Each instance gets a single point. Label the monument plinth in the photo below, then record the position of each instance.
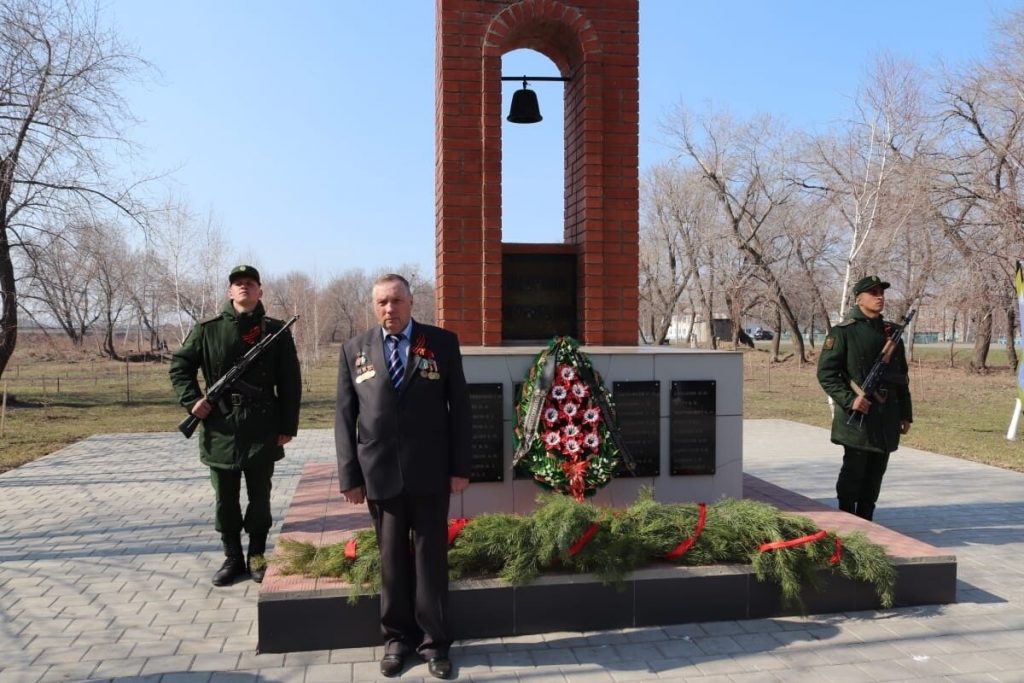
(684, 433)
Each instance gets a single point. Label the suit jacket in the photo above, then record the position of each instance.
(408, 441)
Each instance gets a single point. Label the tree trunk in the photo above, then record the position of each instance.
(982, 341)
(109, 350)
(8, 302)
(778, 335)
(8, 293)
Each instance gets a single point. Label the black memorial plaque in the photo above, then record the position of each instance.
(638, 415)
(692, 427)
(538, 296)
(486, 408)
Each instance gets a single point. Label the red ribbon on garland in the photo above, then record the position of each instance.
(681, 549)
(836, 556)
(350, 549)
(584, 539)
(455, 528)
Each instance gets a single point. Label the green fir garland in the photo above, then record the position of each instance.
(518, 548)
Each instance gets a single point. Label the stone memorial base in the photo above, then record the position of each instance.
(680, 410)
(298, 613)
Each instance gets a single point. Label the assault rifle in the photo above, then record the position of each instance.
(873, 382)
(234, 375)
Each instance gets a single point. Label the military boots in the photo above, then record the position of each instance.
(234, 566)
(257, 562)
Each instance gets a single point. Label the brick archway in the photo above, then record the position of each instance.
(594, 43)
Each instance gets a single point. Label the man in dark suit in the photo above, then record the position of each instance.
(402, 435)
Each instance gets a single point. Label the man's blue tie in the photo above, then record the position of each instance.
(395, 368)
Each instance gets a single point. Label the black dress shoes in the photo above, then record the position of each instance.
(391, 665)
(439, 667)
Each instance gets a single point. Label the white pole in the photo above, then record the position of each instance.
(1011, 433)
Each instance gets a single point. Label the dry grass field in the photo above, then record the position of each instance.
(955, 413)
(57, 398)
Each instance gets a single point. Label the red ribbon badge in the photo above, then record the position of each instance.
(419, 347)
(252, 336)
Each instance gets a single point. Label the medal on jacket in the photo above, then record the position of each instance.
(364, 369)
(428, 369)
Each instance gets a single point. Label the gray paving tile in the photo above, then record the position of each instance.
(186, 677)
(329, 673)
(166, 664)
(118, 667)
(18, 674)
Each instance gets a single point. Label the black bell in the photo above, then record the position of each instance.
(524, 107)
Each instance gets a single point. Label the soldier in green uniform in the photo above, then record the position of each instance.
(849, 351)
(245, 434)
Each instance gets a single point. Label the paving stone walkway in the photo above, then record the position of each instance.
(107, 549)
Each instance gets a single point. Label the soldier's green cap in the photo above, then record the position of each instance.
(869, 282)
(244, 271)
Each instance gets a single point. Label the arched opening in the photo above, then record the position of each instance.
(533, 155)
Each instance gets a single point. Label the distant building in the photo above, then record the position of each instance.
(687, 330)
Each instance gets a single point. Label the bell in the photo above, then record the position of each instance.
(524, 107)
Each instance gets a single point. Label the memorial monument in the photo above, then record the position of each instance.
(681, 410)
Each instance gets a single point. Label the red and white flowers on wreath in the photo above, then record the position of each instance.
(572, 452)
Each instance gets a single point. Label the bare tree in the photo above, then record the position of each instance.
(147, 296)
(60, 111)
(668, 247)
(980, 199)
(111, 263)
(746, 166)
(193, 261)
(857, 170)
(347, 305)
(62, 280)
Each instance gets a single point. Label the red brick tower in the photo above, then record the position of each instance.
(595, 45)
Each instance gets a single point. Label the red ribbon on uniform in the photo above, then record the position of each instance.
(584, 539)
(681, 549)
(350, 549)
(455, 528)
(836, 556)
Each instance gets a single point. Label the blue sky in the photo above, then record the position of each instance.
(307, 127)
